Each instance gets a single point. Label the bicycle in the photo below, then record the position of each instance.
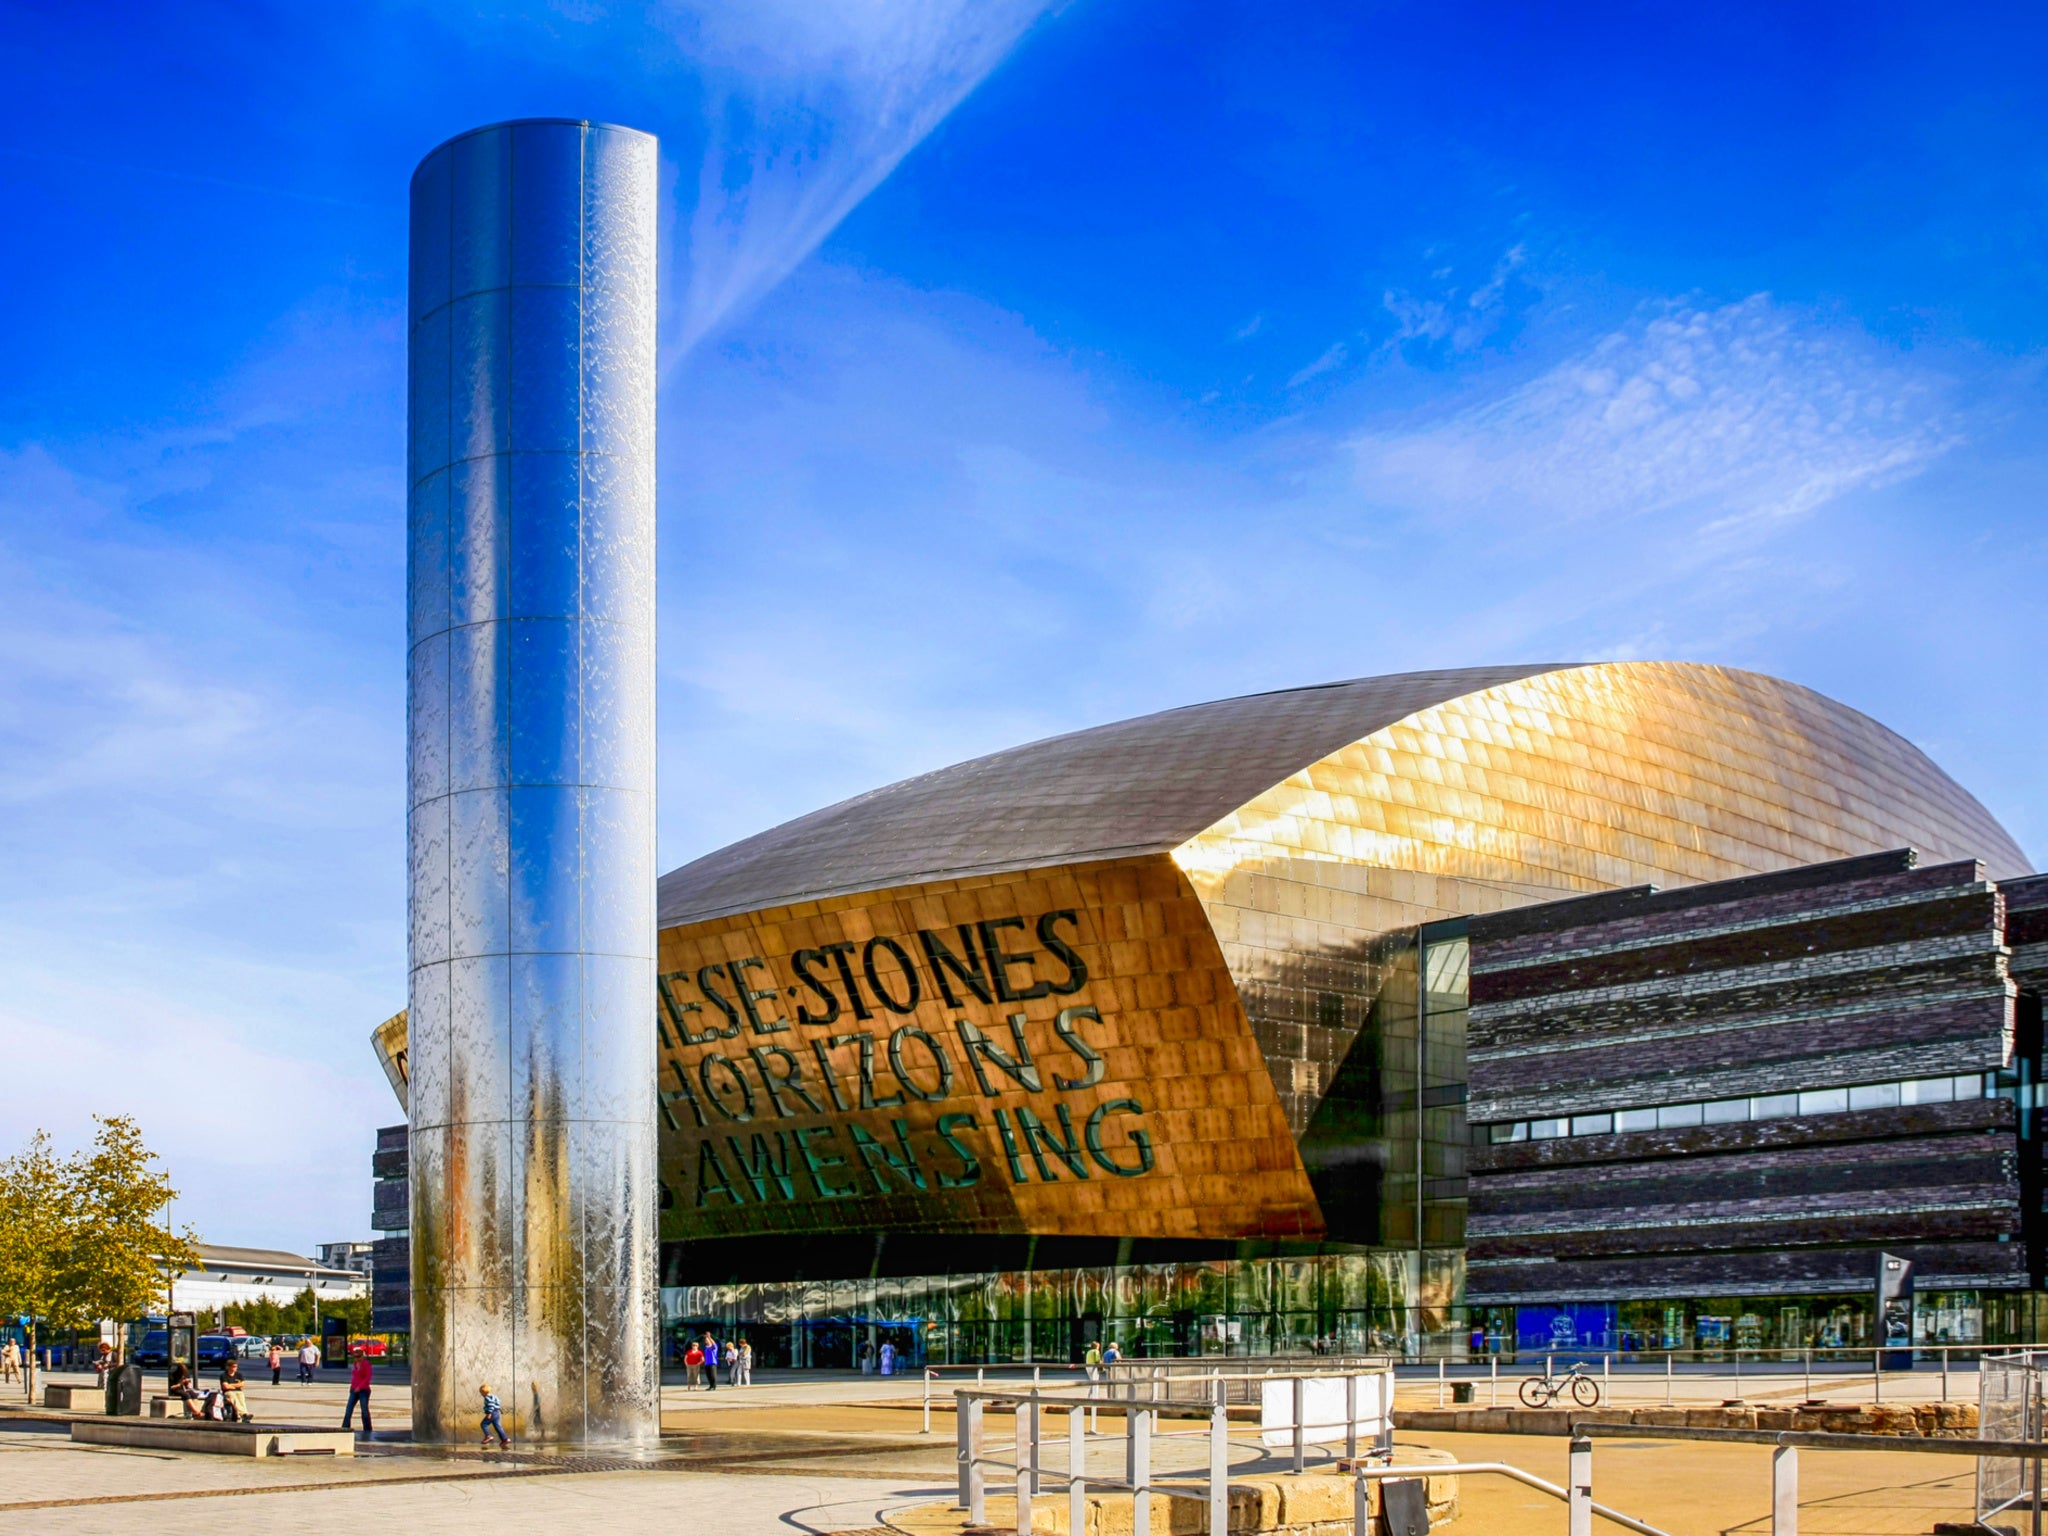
(1542, 1391)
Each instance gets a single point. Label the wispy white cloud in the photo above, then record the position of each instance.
(1742, 413)
(811, 104)
(1333, 357)
(1452, 317)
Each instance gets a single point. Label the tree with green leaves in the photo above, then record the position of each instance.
(122, 1253)
(83, 1237)
(35, 1239)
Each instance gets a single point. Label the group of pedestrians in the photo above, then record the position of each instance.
(873, 1360)
(705, 1356)
(1098, 1355)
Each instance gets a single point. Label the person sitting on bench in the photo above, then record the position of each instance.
(181, 1388)
(233, 1387)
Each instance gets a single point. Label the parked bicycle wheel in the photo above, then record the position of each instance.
(1585, 1391)
(1535, 1391)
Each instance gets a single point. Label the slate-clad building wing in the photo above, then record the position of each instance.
(1747, 1087)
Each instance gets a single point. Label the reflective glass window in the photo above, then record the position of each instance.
(1823, 1101)
(1874, 1096)
(1970, 1085)
(1592, 1125)
(1771, 1105)
(1516, 1131)
(1679, 1115)
(1544, 1130)
(1724, 1111)
(1929, 1090)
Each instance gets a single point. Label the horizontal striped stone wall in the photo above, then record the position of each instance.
(1863, 971)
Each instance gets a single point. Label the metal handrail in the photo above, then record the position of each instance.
(1475, 1468)
(1030, 1473)
(931, 1375)
(1139, 1416)
(1820, 1439)
(1789, 1442)
(1642, 1363)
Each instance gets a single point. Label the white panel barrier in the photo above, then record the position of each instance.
(1322, 1409)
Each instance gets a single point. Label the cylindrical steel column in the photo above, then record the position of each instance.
(531, 757)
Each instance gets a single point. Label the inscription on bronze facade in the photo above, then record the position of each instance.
(1059, 1051)
(720, 1079)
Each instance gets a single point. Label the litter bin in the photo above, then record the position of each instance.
(124, 1391)
(1461, 1391)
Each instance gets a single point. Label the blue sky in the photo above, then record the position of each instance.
(1023, 368)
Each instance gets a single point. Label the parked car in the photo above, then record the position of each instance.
(375, 1349)
(216, 1348)
(252, 1346)
(155, 1348)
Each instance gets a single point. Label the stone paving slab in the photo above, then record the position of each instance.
(729, 1506)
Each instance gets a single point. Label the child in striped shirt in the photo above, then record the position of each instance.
(492, 1408)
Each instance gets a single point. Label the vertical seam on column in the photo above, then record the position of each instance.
(583, 148)
(517, 1193)
(440, 1408)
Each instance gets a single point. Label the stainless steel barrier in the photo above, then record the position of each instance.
(1785, 1463)
(1031, 1473)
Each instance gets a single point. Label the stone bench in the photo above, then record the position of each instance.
(211, 1437)
(73, 1398)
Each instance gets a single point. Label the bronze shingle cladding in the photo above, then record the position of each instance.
(1137, 786)
(1154, 783)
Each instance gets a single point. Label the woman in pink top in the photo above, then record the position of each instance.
(358, 1392)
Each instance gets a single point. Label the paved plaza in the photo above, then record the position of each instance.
(846, 1453)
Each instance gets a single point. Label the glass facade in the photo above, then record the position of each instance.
(1324, 1304)
(1752, 1328)
(1773, 1106)
(1381, 1302)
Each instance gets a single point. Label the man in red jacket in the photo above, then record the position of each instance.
(358, 1391)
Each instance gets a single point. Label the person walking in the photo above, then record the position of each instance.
(358, 1392)
(10, 1361)
(309, 1356)
(276, 1359)
(888, 1359)
(693, 1362)
(1092, 1361)
(710, 1363)
(492, 1422)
